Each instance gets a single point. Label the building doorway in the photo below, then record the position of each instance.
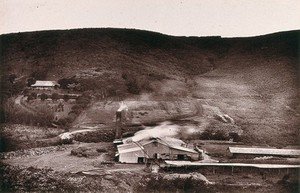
(140, 160)
(180, 157)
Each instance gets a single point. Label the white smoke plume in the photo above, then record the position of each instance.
(165, 129)
(122, 107)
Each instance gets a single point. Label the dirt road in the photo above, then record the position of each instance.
(18, 101)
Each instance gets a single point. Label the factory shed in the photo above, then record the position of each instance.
(155, 148)
(130, 153)
(257, 151)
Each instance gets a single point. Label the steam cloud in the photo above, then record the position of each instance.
(122, 107)
(166, 129)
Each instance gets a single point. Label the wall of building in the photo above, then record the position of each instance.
(164, 152)
(157, 149)
(193, 156)
(131, 157)
(43, 88)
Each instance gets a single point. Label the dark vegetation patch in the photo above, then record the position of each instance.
(41, 116)
(87, 152)
(101, 135)
(180, 185)
(188, 185)
(81, 103)
(15, 137)
(15, 179)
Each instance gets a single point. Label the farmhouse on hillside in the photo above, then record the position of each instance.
(44, 85)
(155, 148)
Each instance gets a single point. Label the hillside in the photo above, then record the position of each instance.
(254, 80)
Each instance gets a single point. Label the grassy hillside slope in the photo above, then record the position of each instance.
(253, 80)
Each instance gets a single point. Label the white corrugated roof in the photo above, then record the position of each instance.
(43, 83)
(189, 163)
(183, 149)
(264, 151)
(125, 148)
(170, 142)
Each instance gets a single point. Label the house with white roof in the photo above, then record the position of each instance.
(155, 148)
(44, 85)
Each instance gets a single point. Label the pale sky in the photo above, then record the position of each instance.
(228, 18)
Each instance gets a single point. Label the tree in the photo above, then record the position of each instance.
(66, 82)
(30, 81)
(17, 87)
(220, 135)
(29, 98)
(26, 92)
(33, 95)
(54, 96)
(44, 96)
(66, 97)
(132, 86)
(12, 78)
(206, 135)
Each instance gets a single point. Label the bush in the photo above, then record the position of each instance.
(132, 86)
(220, 135)
(33, 95)
(66, 82)
(206, 135)
(44, 96)
(210, 135)
(66, 97)
(180, 185)
(16, 179)
(29, 98)
(30, 81)
(55, 96)
(13, 114)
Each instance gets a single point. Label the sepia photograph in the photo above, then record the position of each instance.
(150, 96)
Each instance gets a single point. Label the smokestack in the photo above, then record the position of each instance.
(119, 116)
(121, 113)
(118, 131)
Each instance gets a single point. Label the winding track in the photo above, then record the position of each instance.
(18, 101)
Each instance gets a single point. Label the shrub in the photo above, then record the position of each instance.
(132, 86)
(30, 81)
(180, 185)
(206, 135)
(44, 96)
(29, 98)
(66, 82)
(66, 97)
(220, 135)
(33, 95)
(55, 96)
(210, 135)
(13, 114)
(26, 92)
(12, 78)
